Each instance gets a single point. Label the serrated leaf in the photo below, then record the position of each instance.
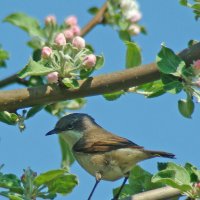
(35, 69)
(25, 22)
(67, 156)
(113, 96)
(8, 118)
(193, 171)
(196, 6)
(133, 55)
(167, 61)
(175, 176)
(57, 181)
(186, 107)
(70, 83)
(34, 110)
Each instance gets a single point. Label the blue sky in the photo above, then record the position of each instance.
(153, 123)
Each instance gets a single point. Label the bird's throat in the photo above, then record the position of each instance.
(71, 137)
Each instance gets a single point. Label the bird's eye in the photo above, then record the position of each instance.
(70, 126)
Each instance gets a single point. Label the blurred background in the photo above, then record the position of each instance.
(153, 123)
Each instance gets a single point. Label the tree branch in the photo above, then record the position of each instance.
(122, 80)
(97, 19)
(164, 193)
(91, 24)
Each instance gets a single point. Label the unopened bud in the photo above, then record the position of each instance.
(52, 77)
(136, 16)
(89, 61)
(50, 20)
(78, 42)
(134, 29)
(76, 30)
(68, 34)
(71, 20)
(46, 52)
(60, 39)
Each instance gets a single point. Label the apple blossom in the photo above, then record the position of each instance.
(78, 42)
(52, 77)
(68, 33)
(71, 20)
(46, 52)
(89, 61)
(50, 20)
(60, 39)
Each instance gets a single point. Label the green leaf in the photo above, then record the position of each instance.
(171, 83)
(34, 110)
(67, 156)
(57, 181)
(113, 96)
(25, 22)
(133, 55)
(167, 61)
(3, 56)
(8, 118)
(186, 107)
(183, 2)
(124, 35)
(47, 196)
(196, 6)
(11, 195)
(175, 176)
(10, 181)
(70, 83)
(139, 181)
(35, 69)
(99, 62)
(193, 171)
(93, 10)
(49, 176)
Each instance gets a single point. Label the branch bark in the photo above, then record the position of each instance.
(12, 100)
(97, 19)
(164, 193)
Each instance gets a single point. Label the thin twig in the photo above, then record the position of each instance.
(88, 27)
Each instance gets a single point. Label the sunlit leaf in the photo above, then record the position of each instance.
(8, 118)
(186, 107)
(113, 96)
(25, 22)
(35, 69)
(133, 55)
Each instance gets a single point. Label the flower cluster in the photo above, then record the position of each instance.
(131, 12)
(67, 55)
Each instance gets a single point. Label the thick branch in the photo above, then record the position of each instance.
(91, 24)
(15, 99)
(165, 193)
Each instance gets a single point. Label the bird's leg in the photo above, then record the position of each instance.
(120, 189)
(98, 178)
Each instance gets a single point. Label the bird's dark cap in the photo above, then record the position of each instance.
(54, 131)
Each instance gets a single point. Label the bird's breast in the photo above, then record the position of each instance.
(111, 165)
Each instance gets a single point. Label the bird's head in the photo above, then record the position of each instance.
(73, 126)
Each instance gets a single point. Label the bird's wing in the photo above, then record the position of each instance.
(102, 142)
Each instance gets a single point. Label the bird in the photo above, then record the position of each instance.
(102, 154)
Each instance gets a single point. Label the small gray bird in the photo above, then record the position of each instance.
(102, 154)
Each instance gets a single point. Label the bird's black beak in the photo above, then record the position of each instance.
(54, 131)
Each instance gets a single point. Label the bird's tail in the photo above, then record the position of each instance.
(160, 154)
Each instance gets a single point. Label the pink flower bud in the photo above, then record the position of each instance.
(68, 34)
(196, 64)
(60, 39)
(78, 42)
(76, 30)
(50, 20)
(89, 61)
(136, 16)
(71, 20)
(46, 52)
(197, 185)
(52, 77)
(134, 29)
